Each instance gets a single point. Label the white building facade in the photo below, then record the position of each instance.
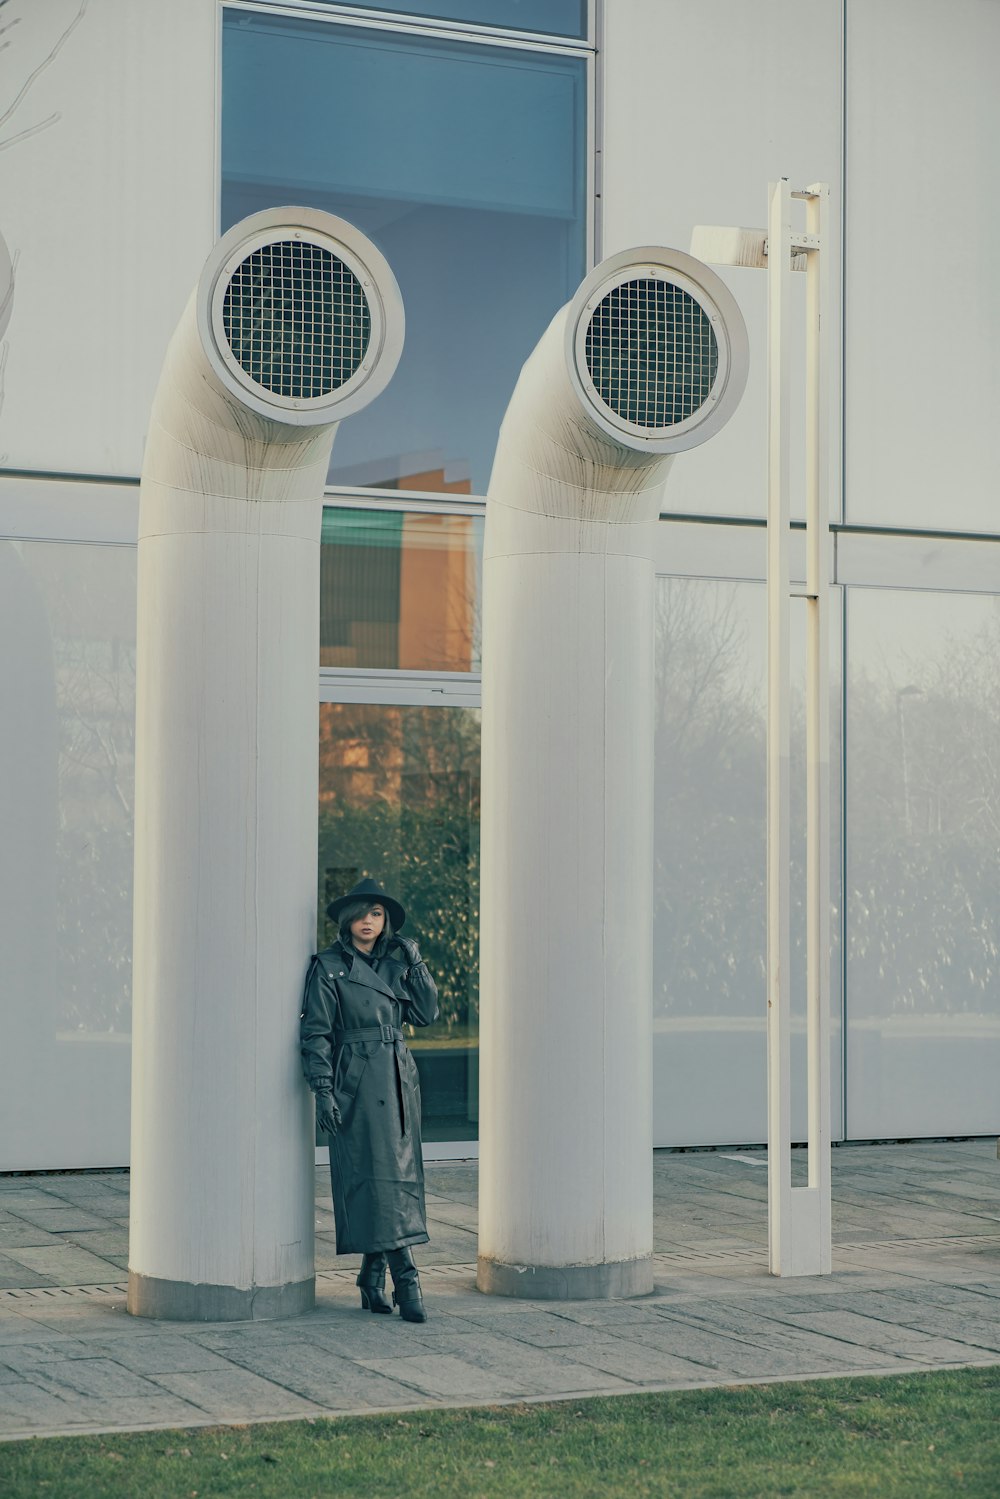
(494, 150)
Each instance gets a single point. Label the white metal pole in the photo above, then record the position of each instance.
(779, 1132)
(799, 1217)
(799, 1226)
(818, 717)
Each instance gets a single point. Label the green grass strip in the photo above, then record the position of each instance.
(912, 1436)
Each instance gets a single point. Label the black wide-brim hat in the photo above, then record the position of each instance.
(371, 891)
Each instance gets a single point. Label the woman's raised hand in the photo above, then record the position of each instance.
(411, 950)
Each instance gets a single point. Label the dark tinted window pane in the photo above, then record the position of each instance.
(466, 165)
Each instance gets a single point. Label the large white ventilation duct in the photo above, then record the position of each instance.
(295, 323)
(650, 358)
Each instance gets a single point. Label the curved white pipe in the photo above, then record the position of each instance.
(567, 860)
(226, 796)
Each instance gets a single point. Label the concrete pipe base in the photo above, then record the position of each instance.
(181, 1301)
(609, 1281)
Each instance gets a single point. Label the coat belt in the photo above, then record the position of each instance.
(386, 1033)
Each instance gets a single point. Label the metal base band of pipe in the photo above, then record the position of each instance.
(612, 1280)
(182, 1301)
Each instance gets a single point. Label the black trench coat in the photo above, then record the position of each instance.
(376, 1163)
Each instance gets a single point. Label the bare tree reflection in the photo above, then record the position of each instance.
(93, 644)
(925, 818)
(709, 806)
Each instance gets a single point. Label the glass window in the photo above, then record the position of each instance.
(709, 924)
(553, 17)
(466, 165)
(66, 811)
(400, 591)
(923, 819)
(399, 799)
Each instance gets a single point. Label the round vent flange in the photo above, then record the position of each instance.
(657, 349)
(300, 315)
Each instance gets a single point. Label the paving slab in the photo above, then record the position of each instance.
(442, 1375)
(15, 1232)
(14, 1274)
(539, 1329)
(154, 1354)
(17, 1331)
(65, 1264)
(18, 1194)
(327, 1376)
(24, 1357)
(61, 1218)
(724, 1353)
(809, 1343)
(857, 1330)
(236, 1394)
(640, 1366)
(27, 1410)
(97, 1378)
(916, 1285)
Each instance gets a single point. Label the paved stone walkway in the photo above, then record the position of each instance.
(916, 1286)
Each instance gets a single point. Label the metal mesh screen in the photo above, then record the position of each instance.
(296, 319)
(652, 353)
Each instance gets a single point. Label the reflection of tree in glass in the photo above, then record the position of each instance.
(399, 799)
(709, 807)
(34, 49)
(95, 685)
(924, 867)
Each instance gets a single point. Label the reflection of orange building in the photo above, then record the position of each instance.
(437, 594)
(430, 481)
(399, 591)
(360, 754)
(413, 756)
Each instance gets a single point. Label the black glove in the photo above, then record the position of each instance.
(327, 1114)
(410, 950)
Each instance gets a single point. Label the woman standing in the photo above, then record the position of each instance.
(358, 993)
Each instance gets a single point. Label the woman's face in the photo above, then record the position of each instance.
(366, 931)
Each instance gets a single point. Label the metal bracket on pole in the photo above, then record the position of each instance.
(799, 1218)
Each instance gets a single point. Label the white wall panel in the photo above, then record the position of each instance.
(923, 295)
(704, 104)
(68, 510)
(67, 680)
(107, 199)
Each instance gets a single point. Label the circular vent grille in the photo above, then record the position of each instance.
(296, 319)
(652, 353)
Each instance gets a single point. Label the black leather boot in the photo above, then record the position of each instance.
(371, 1280)
(406, 1286)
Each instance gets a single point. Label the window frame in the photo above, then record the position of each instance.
(402, 20)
